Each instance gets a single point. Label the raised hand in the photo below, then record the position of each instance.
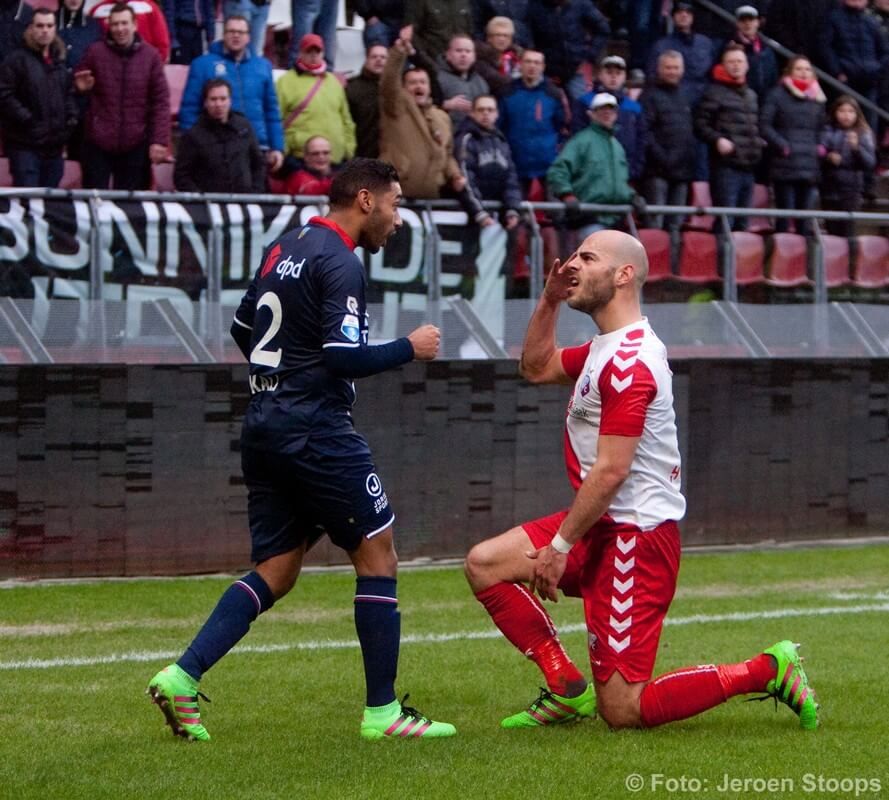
(425, 340)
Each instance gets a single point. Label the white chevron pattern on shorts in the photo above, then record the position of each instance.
(620, 606)
(624, 566)
(626, 546)
(621, 626)
(618, 646)
(623, 586)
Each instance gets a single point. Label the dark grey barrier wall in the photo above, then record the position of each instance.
(134, 470)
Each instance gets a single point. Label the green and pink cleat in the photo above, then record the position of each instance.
(791, 685)
(553, 709)
(398, 721)
(176, 694)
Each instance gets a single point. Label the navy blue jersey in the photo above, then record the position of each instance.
(308, 296)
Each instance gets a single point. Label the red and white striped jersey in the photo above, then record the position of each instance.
(624, 387)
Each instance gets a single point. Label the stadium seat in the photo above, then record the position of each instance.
(162, 177)
(72, 177)
(788, 265)
(750, 252)
(657, 245)
(871, 262)
(5, 174)
(176, 75)
(761, 200)
(700, 196)
(697, 260)
(836, 261)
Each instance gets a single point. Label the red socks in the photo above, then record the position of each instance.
(691, 690)
(524, 621)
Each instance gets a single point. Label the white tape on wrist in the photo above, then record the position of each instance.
(560, 545)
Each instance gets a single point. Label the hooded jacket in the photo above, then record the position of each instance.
(37, 105)
(78, 31)
(130, 102)
(486, 161)
(253, 92)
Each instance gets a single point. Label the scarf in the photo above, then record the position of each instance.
(805, 90)
(316, 70)
(719, 74)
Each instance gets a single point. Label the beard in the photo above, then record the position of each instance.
(594, 300)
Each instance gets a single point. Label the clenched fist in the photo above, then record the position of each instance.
(425, 341)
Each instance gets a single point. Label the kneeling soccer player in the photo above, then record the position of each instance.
(303, 327)
(618, 546)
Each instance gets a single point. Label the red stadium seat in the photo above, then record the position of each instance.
(162, 177)
(871, 262)
(700, 196)
(697, 261)
(836, 260)
(72, 178)
(750, 253)
(657, 245)
(5, 174)
(761, 200)
(176, 75)
(788, 265)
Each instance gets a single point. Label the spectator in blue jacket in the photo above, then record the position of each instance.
(77, 29)
(189, 22)
(486, 160)
(696, 49)
(763, 74)
(571, 34)
(630, 129)
(855, 50)
(253, 87)
(533, 116)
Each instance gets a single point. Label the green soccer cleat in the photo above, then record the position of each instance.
(176, 694)
(398, 721)
(553, 709)
(791, 686)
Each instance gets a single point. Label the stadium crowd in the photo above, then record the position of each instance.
(608, 102)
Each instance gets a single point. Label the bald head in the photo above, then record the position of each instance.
(621, 249)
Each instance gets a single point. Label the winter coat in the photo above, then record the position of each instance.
(516, 10)
(452, 83)
(418, 142)
(854, 46)
(847, 179)
(220, 157)
(532, 120)
(698, 54)
(78, 31)
(15, 16)
(731, 112)
(37, 106)
(630, 130)
(200, 13)
(593, 167)
(308, 182)
(389, 12)
(253, 92)
(763, 73)
(436, 21)
(488, 65)
(791, 123)
(327, 114)
(150, 23)
(486, 161)
(130, 101)
(569, 33)
(363, 95)
(670, 142)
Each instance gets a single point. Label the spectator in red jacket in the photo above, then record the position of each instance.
(150, 22)
(317, 171)
(128, 118)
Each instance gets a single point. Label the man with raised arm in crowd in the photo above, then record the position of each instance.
(37, 107)
(123, 139)
(253, 87)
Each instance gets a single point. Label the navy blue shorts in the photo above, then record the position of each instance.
(330, 487)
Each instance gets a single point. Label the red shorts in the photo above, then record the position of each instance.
(626, 579)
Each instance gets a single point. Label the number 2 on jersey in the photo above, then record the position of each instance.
(268, 358)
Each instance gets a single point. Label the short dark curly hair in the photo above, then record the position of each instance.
(361, 173)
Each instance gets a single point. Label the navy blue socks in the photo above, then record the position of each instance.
(241, 603)
(379, 631)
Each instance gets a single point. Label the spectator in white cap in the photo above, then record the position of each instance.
(592, 168)
(763, 72)
(630, 130)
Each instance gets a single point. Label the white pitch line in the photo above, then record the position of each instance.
(430, 638)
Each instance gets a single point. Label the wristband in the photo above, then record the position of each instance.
(560, 545)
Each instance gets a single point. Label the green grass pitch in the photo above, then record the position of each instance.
(75, 659)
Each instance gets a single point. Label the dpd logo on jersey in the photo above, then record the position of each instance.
(289, 267)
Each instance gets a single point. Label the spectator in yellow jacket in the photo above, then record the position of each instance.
(313, 103)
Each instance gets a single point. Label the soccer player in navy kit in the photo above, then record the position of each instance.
(302, 325)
